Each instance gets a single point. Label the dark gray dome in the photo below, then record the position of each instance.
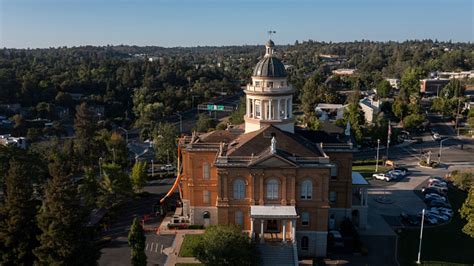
(270, 66)
(270, 43)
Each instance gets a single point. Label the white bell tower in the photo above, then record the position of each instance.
(269, 97)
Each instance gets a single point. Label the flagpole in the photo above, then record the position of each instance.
(389, 134)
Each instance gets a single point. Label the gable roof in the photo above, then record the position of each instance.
(273, 160)
(256, 142)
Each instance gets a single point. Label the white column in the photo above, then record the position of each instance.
(270, 110)
(252, 234)
(290, 112)
(278, 109)
(261, 231)
(284, 230)
(253, 109)
(293, 230)
(286, 107)
(248, 107)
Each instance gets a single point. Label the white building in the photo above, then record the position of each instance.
(328, 111)
(370, 107)
(457, 75)
(395, 83)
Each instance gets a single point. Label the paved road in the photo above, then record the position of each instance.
(118, 252)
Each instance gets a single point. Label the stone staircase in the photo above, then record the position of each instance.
(275, 254)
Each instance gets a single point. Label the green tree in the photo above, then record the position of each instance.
(136, 241)
(413, 121)
(399, 108)
(138, 175)
(237, 117)
(467, 212)
(204, 123)
(85, 126)
(383, 88)
(165, 142)
(65, 238)
(18, 228)
(115, 184)
(225, 245)
(90, 188)
(411, 80)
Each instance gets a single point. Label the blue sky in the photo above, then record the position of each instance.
(46, 23)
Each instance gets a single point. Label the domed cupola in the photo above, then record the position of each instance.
(269, 95)
(269, 66)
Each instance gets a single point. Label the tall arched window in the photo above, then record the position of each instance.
(304, 243)
(272, 189)
(239, 189)
(307, 189)
(205, 171)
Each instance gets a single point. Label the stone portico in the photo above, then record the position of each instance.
(273, 214)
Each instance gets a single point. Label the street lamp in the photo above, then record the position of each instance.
(441, 147)
(421, 235)
(377, 161)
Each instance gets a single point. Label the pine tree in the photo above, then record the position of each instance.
(18, 226)
(138, 175)
(136, 241)
(65, 238)
(467, 212)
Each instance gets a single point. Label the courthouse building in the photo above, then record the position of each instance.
(278, 182)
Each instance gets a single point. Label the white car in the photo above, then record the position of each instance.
(437, 182)
(384, 177)
(167, 167)
(437, 186)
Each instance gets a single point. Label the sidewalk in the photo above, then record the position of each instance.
(173, 251)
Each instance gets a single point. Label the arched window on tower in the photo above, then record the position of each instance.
(307, 189)
(239, 189)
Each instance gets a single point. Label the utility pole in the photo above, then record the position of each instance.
(100, 168)
(377, 161)
(421, 236)
(152, 169)
(113, 153)
(180, 122)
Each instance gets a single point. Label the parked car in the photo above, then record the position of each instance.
(168, 167)
(432, 196)
(385, 177)
(428, 190)
(438, 203)
(437, 182)
(396, 173)
(438, 186)
(439, 216)
(402, 169)
(443, 210)
(335, 239)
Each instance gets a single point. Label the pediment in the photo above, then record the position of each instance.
(274, 161)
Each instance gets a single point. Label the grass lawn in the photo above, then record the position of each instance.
(189, 242)
(442, 245)
(367, 170)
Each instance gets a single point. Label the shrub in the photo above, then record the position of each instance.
(462, 179)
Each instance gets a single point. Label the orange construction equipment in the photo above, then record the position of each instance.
(178, 177)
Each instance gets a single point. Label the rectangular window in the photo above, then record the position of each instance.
(270, 84)
(257, 83)
(305, 219)
(333, 196)
(282, 84)
(205, 171)
(206, 196)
